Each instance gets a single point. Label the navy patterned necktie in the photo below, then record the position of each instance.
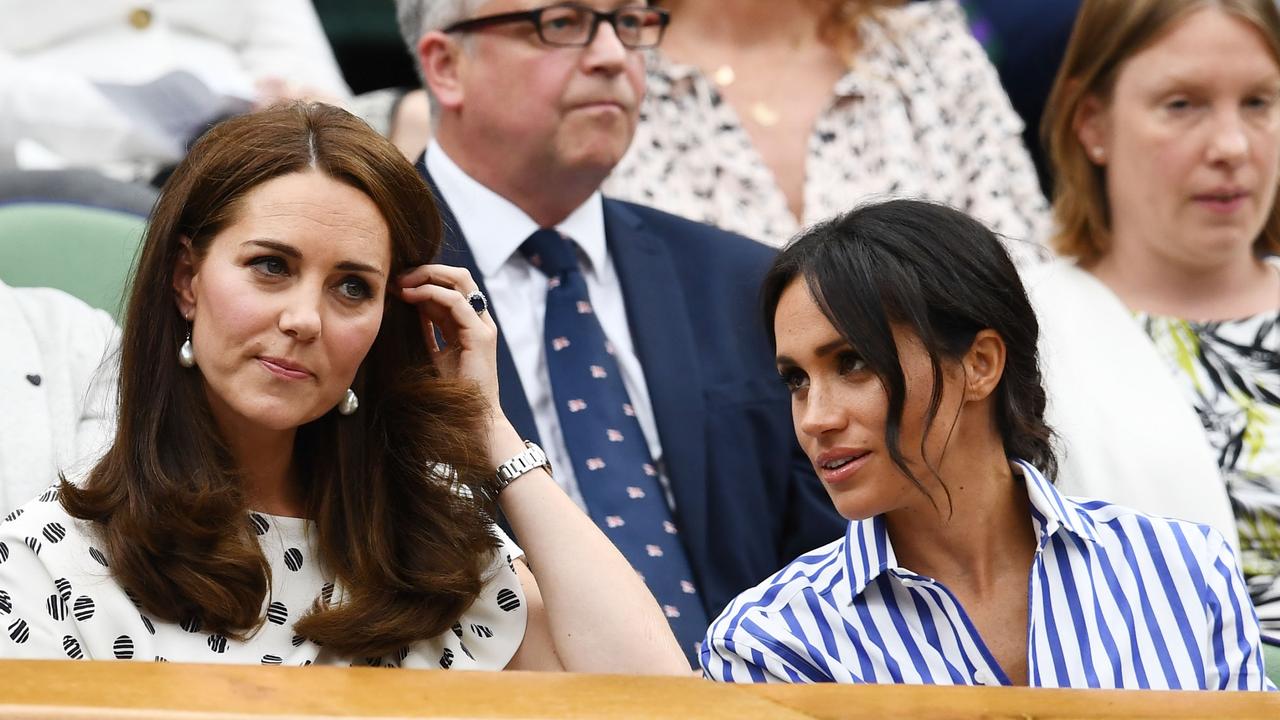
(610, 456)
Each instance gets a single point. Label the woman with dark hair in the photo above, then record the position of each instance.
(302, 471)
(909, 347)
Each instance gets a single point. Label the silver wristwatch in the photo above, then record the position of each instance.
(532, 457)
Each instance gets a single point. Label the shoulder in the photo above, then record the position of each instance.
(688, 238)
(919, 31)
(1149, 539)
(40, 541)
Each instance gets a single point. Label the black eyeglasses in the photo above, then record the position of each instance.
(573, 25)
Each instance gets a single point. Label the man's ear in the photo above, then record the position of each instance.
(184, 278)
(1092, 124)
(443, 64)
(983, 365)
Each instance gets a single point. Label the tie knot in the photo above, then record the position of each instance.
(550, 252)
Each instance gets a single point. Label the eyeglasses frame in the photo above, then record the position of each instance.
(535, 16)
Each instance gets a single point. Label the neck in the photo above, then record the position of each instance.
(743, 23)
(972, 542)
(265, 459)
(1236, 286)
(547, 197)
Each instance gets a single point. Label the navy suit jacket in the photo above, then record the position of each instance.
(747, 500)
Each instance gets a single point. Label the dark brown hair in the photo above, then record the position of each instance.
(1107, 33)
(399, 491)
(945, 277)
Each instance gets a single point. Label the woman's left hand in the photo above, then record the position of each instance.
(470, 338)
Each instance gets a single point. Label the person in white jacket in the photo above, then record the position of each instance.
(56, 383)
(1162, 329)
(58, 57)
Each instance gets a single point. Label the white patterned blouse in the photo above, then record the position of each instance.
(58, 600)
(920, 113)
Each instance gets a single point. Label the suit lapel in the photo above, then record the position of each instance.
(657, 313)
(455, 251)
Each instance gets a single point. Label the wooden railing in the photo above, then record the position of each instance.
(118, 690)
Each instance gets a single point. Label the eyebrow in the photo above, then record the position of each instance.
(292, 252)
(822, 351)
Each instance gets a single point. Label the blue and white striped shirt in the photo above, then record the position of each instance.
(1118, 599)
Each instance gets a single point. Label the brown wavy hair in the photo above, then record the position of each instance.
(1106, 34)
(399, 491)
(839, 21)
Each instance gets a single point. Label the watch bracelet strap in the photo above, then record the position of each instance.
(532, 458)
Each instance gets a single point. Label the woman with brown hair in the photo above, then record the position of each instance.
(310, 451)
(1162, 345)
(765, 117)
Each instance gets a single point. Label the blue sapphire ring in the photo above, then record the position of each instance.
(478, 302)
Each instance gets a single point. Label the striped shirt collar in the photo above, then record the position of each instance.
(868, 552)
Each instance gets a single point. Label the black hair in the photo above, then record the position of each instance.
(942, 275)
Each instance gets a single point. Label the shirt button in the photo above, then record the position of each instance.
(140, 18)
(982, 677)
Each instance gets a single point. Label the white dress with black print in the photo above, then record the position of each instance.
(59, 600)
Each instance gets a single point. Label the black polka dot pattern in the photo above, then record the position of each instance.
(277, 613)
(71, 647)
(13, 515)
(56, 606)
(19, 632)
(84, 608)
(508, 600)
(54, 532)
(49, 495)
(259, 524)
(61, 603)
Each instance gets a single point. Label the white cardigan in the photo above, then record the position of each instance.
(1126, 431)
(56, 405)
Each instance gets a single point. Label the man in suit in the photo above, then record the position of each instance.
(533, 106)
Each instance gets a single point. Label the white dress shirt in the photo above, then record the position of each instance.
(517, 291)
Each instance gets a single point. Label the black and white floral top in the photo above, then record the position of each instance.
(1230, 373)
(58, 600)
(920, 113)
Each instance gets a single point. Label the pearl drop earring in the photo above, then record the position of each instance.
(186, 353)
(1098, 152)
(350, 403)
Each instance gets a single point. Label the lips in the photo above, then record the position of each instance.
(1222, 199)
(840, 464)
(285, 368)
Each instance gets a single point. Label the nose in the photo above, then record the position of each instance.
(1230, 142)
(300, 317)
(817, 413)
(606, 51)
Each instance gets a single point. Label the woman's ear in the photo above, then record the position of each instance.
(184, 280)
(983, 365)
(1092, 124)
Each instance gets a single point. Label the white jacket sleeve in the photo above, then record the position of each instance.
(287, 41)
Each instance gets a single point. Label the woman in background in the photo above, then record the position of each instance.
(762, 118)
(301, 474)
(909, 347)
(1160, 334)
